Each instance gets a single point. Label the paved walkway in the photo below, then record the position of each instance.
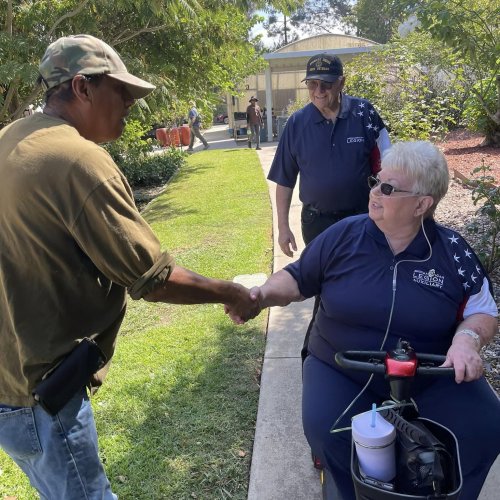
(281, 462)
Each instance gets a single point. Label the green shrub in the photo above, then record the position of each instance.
(153, 169)
(475, 115)
(296, 105)
(134, 158)
(129, 147)
(486, 227)
(413, 82)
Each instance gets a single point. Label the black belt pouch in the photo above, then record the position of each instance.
(62, 382)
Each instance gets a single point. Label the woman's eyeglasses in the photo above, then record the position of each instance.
(386, 188)
(314, 84)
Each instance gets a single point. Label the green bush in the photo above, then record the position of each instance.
(413, 82)
(129, 147)
(475, 115)
(486, 227)
(154, 169)
(133, 156)
(296, 105)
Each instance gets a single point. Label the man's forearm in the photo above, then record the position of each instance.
(283, 201)
(186, 287)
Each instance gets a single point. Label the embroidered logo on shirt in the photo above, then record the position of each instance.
(355, 139)
(430, 278)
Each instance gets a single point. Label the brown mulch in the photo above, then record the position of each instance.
(464, 152)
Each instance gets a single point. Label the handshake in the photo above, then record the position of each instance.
(279, 290)
(247, 304)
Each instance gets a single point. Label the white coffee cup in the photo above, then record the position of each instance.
(374, 439)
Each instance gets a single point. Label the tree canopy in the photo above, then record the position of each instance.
(472, 30)
(187, 48)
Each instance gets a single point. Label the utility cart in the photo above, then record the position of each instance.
(240, 130)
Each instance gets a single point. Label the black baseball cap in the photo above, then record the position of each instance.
(324, 67)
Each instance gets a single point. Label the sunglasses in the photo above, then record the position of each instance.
(386, 188)
(314, 84)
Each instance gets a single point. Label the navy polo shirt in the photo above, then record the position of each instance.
(333, 158)
(353, 268)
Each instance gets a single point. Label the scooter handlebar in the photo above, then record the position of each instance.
(373, 362)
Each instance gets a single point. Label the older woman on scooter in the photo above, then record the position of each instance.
(395, 273)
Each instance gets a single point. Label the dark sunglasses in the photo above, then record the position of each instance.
(385, 188)
(314, 84)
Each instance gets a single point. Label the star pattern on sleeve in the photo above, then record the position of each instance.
(373, 120)
(468, 268)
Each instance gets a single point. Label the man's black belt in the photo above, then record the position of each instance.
(337, 213)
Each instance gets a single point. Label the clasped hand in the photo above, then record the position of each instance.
(247, 305)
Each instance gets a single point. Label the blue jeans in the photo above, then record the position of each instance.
(58, 453)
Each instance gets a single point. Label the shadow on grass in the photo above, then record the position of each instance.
(162, 207)
(196, 439)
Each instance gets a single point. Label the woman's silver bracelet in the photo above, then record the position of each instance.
(470, 333)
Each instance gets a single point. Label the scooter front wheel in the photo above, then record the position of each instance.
(328, 489)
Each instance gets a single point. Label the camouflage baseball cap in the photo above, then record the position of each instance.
(86, 55)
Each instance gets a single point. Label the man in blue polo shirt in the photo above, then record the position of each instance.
(335, 143)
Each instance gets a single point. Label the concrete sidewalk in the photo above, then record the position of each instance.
(281, 461)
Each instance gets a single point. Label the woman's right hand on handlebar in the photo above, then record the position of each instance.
(464, 358)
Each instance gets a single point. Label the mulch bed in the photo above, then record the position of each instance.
(464, 152)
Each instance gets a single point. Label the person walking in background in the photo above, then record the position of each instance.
(67, 260)
(254, 122)
(335, 142)
(194, 127)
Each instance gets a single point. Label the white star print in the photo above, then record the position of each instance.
(468, 253)
(375, 128)
(456, 257)
(453, 239)
(478, 269)
(361, 104)
(461, 271)
(466, 285)
(360, 113)
(369, 126)
(473, 277)
(372, 112)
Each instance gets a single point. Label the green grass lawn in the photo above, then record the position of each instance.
(176, 416)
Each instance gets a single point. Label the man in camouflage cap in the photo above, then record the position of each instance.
(72, 244)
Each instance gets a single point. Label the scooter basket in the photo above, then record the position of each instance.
(372, 490)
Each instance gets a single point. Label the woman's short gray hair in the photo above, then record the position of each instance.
(424, 164)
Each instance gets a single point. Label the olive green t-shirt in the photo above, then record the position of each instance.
(71, 244)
